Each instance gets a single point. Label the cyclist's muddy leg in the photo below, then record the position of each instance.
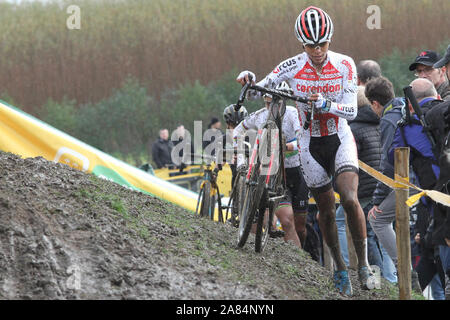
(300, 225)
(286, 217)
(347, 186)
(327, 223)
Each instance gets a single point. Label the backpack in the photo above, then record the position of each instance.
(422, 165)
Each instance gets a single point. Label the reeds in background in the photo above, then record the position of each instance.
(165, 44)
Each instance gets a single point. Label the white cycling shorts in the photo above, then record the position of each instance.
(324, 157)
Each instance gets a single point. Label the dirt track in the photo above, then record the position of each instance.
(69, 235)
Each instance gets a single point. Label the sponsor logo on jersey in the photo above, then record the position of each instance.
(329, 72)
(346, 109)
(319, 89)
(350, 70)
(307, 73)
(285, 65)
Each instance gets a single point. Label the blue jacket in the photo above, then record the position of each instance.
(392, 113)
(422, 158)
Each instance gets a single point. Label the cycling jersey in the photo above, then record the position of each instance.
(290, 128)
(337, 83)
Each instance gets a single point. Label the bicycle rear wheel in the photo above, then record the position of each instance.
(220, 216)
(198, 209)
(205, 206)
(238, 198)
(212, 205)
(263, 225)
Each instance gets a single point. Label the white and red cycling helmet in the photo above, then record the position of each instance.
(313, 26)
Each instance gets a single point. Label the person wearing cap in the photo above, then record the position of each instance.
(424, 67)
(444, 62)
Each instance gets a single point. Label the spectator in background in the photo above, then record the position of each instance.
(439, 120)
(380, 93)
(179, 138)
(423, 66)
(213, 132)
(162, 149)
(367, 70)
(365, 128)
(410, 133)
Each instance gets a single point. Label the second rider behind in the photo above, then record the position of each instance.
(327, 147)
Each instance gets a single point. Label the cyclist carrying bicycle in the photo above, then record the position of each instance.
(291, 128)
(327, 146)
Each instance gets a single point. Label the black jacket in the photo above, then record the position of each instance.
(366, 130)
(161, 152)
(440, 128)
(444, 90)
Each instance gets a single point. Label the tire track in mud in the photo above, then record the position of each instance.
(65, 234)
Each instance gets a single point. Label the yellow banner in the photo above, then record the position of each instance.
(27, 136)
(402, 183)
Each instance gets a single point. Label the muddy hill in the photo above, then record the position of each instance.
(65, 234)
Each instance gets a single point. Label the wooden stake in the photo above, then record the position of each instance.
(401, 168)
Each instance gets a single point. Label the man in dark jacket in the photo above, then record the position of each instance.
(162, 149)
(439, 120)
(410, 133)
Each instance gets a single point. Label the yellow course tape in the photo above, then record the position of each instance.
(402, 183)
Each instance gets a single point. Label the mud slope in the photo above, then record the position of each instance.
(69, 235)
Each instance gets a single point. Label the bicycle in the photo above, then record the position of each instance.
(209, 193)
(237, 192)
(265, 180)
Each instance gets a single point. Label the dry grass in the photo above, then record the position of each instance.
(167, 43)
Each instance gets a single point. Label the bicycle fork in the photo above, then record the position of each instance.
(274, 144)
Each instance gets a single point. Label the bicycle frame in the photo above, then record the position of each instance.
(276, 118)
(266, 190)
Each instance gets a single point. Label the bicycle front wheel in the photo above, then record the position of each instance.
(253, 194)
(264, 225)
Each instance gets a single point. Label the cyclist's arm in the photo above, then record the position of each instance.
(347, 108)
(282, 72)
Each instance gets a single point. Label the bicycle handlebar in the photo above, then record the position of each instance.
(279, 93)
(273, 92)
